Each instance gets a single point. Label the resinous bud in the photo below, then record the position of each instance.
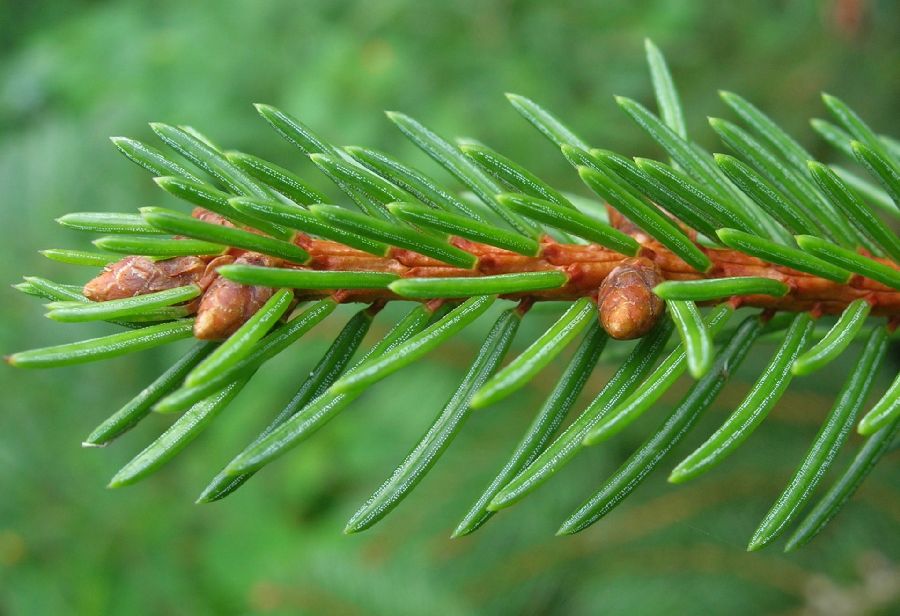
(628, 307)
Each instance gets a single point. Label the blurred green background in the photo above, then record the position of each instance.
(73, 73)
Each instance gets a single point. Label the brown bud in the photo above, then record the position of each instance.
(628, 307)
(227, 305)
(133, 276)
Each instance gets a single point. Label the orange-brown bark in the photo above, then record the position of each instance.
(587, 266)
(225, 305)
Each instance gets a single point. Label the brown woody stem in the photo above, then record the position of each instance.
(587, 266)
(225, 304)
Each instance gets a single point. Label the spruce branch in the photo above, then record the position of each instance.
(670, 246)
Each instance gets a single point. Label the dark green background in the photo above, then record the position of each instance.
(73, 73)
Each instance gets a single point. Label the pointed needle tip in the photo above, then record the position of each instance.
(676, 476)
(756, 544)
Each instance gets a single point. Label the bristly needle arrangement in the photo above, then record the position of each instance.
(668, 246)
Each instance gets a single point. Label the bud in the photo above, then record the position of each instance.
(227, 305)
(134, 276)
(628, 307)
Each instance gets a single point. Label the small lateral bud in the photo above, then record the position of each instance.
(134, 276)
(227, 305)
(628, 307)
(137, 275)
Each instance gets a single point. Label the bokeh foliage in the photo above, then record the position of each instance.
(75, 72)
